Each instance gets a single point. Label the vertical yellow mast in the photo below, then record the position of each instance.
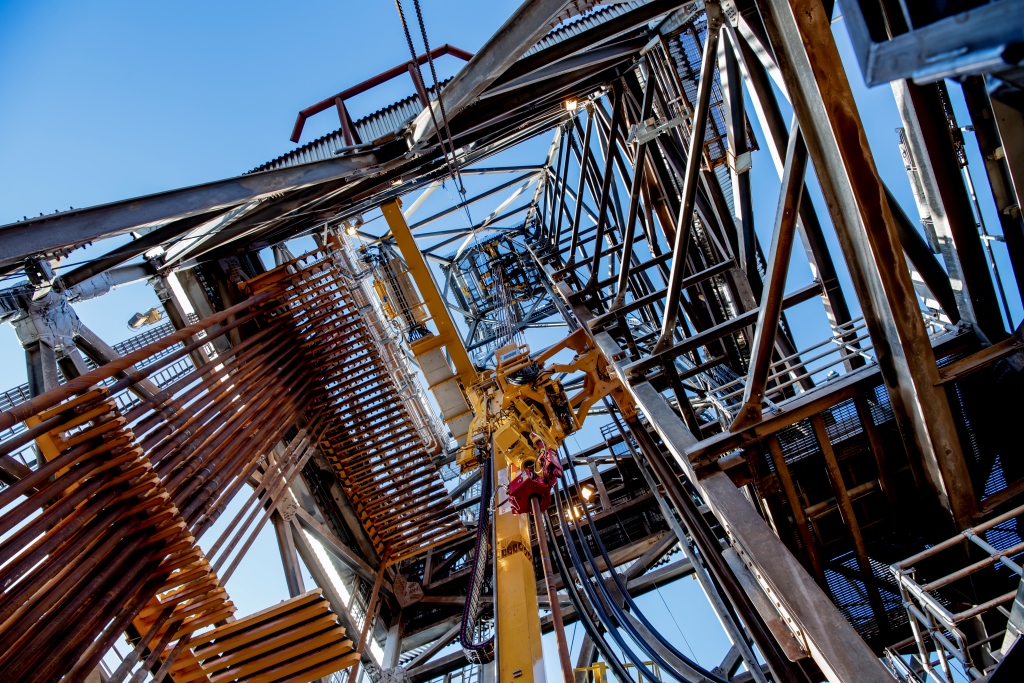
(517, 622)
(518, 648)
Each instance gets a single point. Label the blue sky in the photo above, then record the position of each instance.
(112, 99)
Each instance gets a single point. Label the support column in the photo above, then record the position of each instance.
(739, 162)
(41, 362)
(323, 580)
(801, 37)
(289, 558)
(1010, 124)
(956, 230)
(200, 303)
(393, 646)
(348, 514)
(602, 491)
(164, 289)
(71, 363)
(993, 154)
(766, 107)
(102, 353)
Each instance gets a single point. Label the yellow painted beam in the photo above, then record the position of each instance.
(448, 334)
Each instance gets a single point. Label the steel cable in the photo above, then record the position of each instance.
(449, 161)
(440, 101)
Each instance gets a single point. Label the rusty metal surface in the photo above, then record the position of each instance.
(296, 640)
(105, 534)
(376, 450)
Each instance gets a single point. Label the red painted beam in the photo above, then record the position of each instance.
(402, 68)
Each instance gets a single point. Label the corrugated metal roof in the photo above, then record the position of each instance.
(369, 128)
(582, 23)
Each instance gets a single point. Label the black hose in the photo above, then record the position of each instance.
(626, 624)
(478, 653)
(588, 622)
(610, 624)
(619, 614)
(710, 548)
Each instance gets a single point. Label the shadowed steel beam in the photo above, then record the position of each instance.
(549, 181)
(492, 216)
(45, 234)
(778, 269)
(483, 195)
(756, 72)
(556, 230)
(808, 58)
(422, 198)
(473, 230)
(289, 556)
(690, 179)
(102, 353)
(920, 254)
(739, 159)
(639, 174)
(582, 60)
(521, 32)
(132, 249)
(486, 170)
(565, 208)
(603, 32)
(462, 232)
(993, 154)
(606, 181)
(956, 230)
(583, 160)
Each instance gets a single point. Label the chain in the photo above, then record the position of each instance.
(440, 100)
(449, 161)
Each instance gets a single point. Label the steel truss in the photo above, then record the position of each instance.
(790, 474)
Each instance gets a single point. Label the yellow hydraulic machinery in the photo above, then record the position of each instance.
(523, 409)
(522, 416)
(440, 353)
(510, 421)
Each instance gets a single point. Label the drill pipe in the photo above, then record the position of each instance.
(301, 440)
(207, 449)
(38, 404)
(215, 415)
(275, 500)
(149, 407)
(285, 415)
(210, 392)
(227, 496)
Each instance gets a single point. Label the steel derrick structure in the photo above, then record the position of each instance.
(790, 475)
